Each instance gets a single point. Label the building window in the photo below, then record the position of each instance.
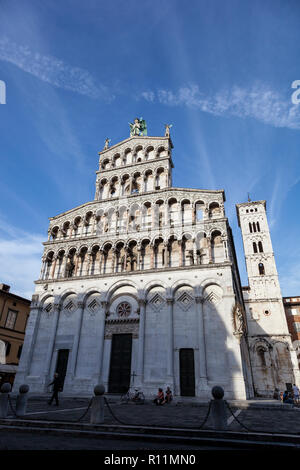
(260, 247)
(297, 326)
(254, 247)
(11, 319)
(261, 269)
(124, 309)
(19, 351)
(250, 227)
(7, 349)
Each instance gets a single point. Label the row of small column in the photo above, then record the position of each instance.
(88, 267)
(131, 180)
(181, 219)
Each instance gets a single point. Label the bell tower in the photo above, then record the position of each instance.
(273, 358)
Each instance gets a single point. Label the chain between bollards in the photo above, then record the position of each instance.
(241, 424)
(11, 407)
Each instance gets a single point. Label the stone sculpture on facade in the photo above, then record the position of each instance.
(138, 127)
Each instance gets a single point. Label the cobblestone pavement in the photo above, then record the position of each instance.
(272, 419)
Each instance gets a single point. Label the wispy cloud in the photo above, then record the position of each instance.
(258, 102)
(20, 258)
(53, 70)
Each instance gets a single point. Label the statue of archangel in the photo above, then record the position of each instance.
(138, 127)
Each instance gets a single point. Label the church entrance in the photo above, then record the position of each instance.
(187, 372)
(62, 364)
(120, 363)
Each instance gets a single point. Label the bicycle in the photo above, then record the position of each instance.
(136, 397)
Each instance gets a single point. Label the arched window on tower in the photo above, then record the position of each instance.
(258, 226)
(254, 247)
(254, 227)
(260, 247)
(250, 227)
(261, 269)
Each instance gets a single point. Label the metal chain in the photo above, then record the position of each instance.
(241, 424)
(112, 413)
(85, 413)
(154, 425)
(11, 407)
(207, 415)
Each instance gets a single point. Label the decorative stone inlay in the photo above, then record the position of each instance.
(93, 306)
(213, 298)
(69, 307)
(157, 302)
(185, 301)
(129, 326)
(48, 309)
(123, 309)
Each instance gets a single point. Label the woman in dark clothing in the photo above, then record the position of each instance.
(56, 388)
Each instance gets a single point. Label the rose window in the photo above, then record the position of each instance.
(124, 309)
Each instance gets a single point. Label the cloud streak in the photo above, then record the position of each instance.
(258, 102)
(52, 70)
(20, 258)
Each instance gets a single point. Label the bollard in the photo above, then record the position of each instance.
(97, 407)
(218, 409)
(22, 400)
(5, 390)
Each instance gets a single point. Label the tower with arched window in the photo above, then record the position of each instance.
(274, 361)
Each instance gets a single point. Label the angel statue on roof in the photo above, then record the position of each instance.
(138, 127)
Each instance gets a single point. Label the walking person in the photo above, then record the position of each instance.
(56, 388)
(296, 393)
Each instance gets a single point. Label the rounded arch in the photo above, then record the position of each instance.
(181, 283)
(151, 284)
(117, 285)
(89, 292)
(44, 298)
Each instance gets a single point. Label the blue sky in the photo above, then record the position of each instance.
(77, 72)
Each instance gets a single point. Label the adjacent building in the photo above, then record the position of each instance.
(14, 313)
(292, 312)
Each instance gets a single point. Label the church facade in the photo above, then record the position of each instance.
(141, 288)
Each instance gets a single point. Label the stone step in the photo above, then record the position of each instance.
(157, 432)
